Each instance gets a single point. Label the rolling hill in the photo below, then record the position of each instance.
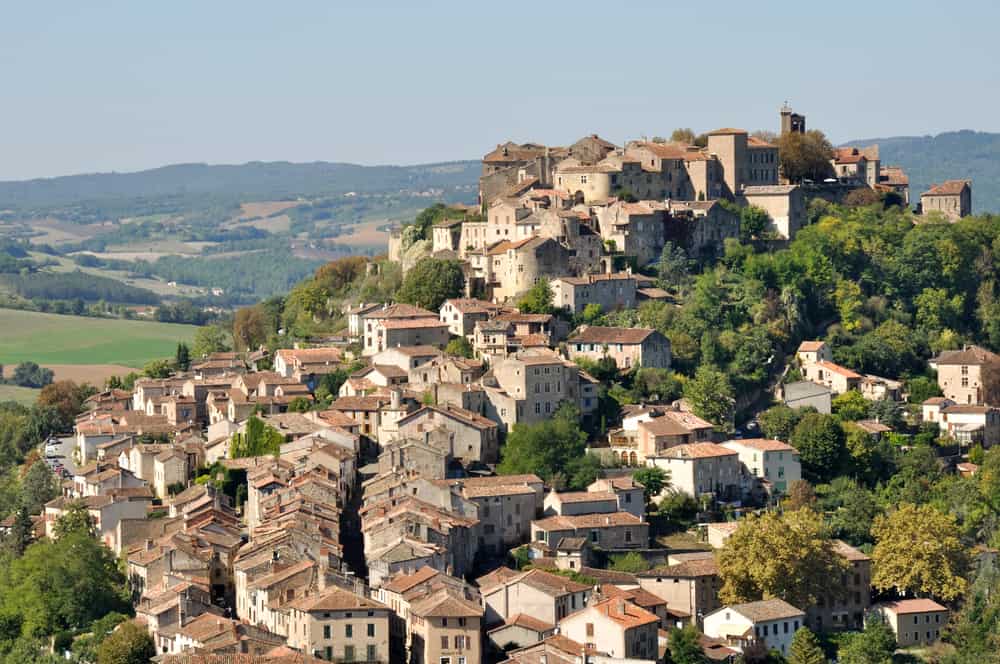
(951, 155)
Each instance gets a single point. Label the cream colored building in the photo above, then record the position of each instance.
(785, 204)
(609, 291)
(617, 627)
(701, 468)
(770, 461)
(833, 376)
(772, 622)
(537, 593)
(953, 199)
(629, 347)
(445, 629)
(970, 376)
(915, 621)
(530, 388)
(337, 625)
(690, 586)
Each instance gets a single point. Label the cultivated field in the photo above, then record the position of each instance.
(22, 395)
(51, 339)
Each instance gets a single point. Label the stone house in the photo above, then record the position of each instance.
(810, 352)
(970, 376)
(406, 358)
(106, 511)
(473, 437)
(417, 332)
(785, 204)
(609, 291)
(916, 622)
(701, 468)
(616, 626)
(506, 506)
(690, 587)
(462, 314)
(771, 462)
(701, 227)
(522, 630)
(772, 622)
(170, 467)
(573, 503)
(634, 229)
(848, 610)
(953, 199)
(374, 326)
(833, 376)
(530, 388)
(445, 627)
(514, 267)
(630, 494)
(618, 530)
(629, 347)
(660, 428)
(537, 593)
(336, 624)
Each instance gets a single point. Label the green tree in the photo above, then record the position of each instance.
(789, 556)
(778, 422)
(459, 347)
(591, 313)
(653, 480)
(631, 562)
(182, 357)
(210, 339)
(875, 645)
(582, 471)
(850, 406)
(251, 327)
(800, 494)
(38, 487)
(754, 221)
(21, 533)
(922, 388)
(819, 439)
(544, 447)
(29, 374)
(430, 282)
(711, 396)
(679, 509)
(129, 644)
(918, 550)
(682, 135)
(75, 520)
(674, 267)
(260, 439)
(684, 645)
(158, 369)
(538, 299)
(805, 648)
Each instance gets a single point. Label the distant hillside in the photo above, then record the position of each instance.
(245, 182)
(948, 156)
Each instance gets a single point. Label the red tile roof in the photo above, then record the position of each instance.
(948, 188)
(914, 606)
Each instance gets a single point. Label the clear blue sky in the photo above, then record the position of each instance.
(126, 85)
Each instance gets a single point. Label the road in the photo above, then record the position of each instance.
(64, 454)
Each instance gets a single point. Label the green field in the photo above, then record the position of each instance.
(22, 395)
(55, 339)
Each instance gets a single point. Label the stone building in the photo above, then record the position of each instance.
(953, 199)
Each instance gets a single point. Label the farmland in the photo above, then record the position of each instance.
(52, 339)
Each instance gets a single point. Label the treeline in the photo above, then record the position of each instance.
(76, 285)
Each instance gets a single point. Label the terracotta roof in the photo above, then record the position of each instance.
(584, 496)
(443, 604)
(497, 577)
(848, 156)
(965, 409)
(811, 346)
(836, 368)
(281, 575)
(969, 355)
(725, 131)
(948, 188)
(914, 606)
(754, 142)
(497, 490)
(698, 451)
(528, 622)
(637, 596)
(399, 310)
(588, 521)
(625, 613)
(495, 480)
(554, 585)
(687, 569)
(935, 401)
(766, 610)
(403, 582)
(358, 403)
(893, 176)
(469, 305)
(412, 323)
(611, 335)
(848, 552)
(335, 599)
(763, 444)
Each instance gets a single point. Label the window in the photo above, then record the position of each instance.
(348, 653)
(349, 630)
(371, 654)
(590, 629)
(326, 631)
(371, 629)
(444, 643)
(445, 660)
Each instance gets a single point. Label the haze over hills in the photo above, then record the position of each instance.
(927, 159)
(952, 155)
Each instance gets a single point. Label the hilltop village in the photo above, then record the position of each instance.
(352, 499)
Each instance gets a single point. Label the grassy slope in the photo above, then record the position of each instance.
(22, 395)
(51, 338)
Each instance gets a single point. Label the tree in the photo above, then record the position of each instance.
(753, 222)
(75, 520)
(918, 550)
(251, 326)
(129, 644)
(29, 374)
(789, 556)
(861, 197)
(158, 369)
(850, 406)
(805, 648)
(21, 533)
(260, 439)
(545, 447)
(711, 396)
(538, 299)
(819, 439)
(591, 313)
(875, 645)
(922, 388)
(210, 339)
(631, 562)
(674, 267)
(653, 480)
(67, 398)
(778, 422)
(38, 487)
(460, 347)
(805, 156)
(430, 282)
(683, 135)
(182, 357)
(684, 644)
(582, 471)
(679, 509)
(800, 494)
